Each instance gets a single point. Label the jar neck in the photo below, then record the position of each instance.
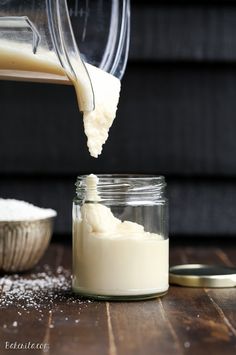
(122, 189)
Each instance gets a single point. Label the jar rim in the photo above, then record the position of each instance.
(149, 177)
(120, 188)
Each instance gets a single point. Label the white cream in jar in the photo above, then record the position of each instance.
(115, 258)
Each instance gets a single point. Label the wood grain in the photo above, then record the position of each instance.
(222, 300)
(189, 125)
(197, 31)
(203, 207)
(185, 321)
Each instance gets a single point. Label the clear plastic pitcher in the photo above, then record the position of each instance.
(49, 40)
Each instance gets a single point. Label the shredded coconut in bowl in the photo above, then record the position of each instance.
(15, 210)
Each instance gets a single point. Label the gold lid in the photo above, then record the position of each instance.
(200, 275)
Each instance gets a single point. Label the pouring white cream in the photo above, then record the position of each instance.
(18, 62)
(115, 258)
(98, 122)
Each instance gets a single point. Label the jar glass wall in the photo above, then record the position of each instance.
(120, 237)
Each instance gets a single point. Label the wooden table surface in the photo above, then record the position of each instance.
(185, 321)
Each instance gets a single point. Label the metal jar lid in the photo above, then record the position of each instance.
(200, 275)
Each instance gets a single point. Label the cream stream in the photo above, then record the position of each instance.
(17, 62)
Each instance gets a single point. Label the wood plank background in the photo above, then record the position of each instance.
(185, 321)
(176, 117)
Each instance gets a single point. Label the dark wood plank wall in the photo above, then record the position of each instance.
(177, 117)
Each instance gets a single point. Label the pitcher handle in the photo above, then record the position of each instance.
(21, 22)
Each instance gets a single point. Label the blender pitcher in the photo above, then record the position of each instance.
(49, 41)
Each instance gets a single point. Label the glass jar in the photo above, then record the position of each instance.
(120, 237)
